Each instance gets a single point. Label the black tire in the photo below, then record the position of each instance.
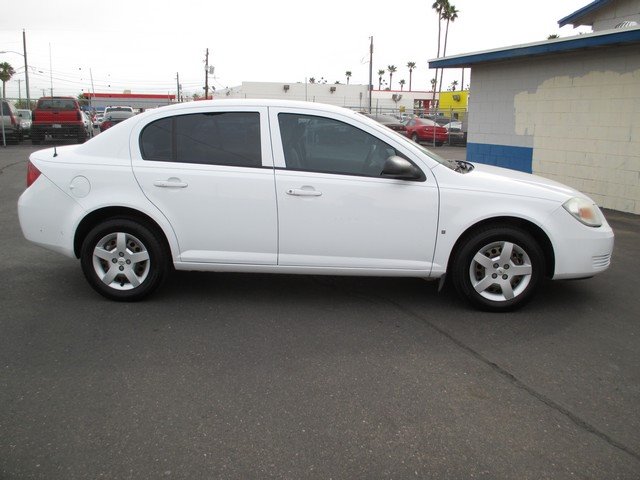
(414, 137)
(491, 283)
(124, 259)
(36, 140)
(439, 144)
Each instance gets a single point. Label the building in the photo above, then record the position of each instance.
(350, 96)
(138, 101)
(568, 108)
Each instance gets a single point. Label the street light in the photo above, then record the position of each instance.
(26, 67)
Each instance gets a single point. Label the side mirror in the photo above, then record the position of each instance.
(400, 168)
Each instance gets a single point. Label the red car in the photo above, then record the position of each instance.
(424, 130)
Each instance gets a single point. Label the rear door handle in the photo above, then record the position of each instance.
(170, 183)
(303, 192)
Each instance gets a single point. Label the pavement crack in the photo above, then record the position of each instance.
(578, 421)
(11, 165)
(575, 419)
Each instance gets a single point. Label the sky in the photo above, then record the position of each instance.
(141, 45)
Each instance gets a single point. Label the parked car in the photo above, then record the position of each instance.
(115, 115)
(25, 122)
(97, 120)
(389, 122)
(88, 124)
(264, 186)
(11, 123)
(455, 134)
(425, 130)
(58, 117)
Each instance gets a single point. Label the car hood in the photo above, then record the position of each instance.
(512, 182)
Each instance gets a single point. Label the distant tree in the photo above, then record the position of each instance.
(348, 75)
(454, 84)
(82, 101)
(402, 82)
(381, 72)
(551, 37)
(196, 96)
(312, 80)
(6, 72)
(410, 66)
(391, 69)
(439, 6)
(433, 83)
(450, 13)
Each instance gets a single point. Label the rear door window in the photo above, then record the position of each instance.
(215, 138)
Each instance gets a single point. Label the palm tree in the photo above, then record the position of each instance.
(449, 14)
(454, 84)
(348, 75)
(6, 72)
(312, 80)
(410, 66)
(402, 82)
(381, 72)
(551, 37)
(391, 69)
(433, 83)
(439, 6)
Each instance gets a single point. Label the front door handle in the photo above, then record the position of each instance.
(171, 183)
(304, 192)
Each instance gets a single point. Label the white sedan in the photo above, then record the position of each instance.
(301, 188)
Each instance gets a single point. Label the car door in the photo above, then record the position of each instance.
(335, 210)
(209, 170)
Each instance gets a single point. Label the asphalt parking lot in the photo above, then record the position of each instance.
(259, 376)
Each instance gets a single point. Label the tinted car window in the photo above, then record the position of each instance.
(56, 104)
(321, 144)
(230, 138)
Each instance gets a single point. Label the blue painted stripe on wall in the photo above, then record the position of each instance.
(515, 158)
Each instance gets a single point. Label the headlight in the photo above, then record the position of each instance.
(584, 211)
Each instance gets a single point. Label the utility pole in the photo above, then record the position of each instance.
(370, 72)
(19, 92)
(206, 75)
(26, 68)
(177, 87)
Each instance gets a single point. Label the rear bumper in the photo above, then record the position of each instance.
(58, 130)
(47, 216)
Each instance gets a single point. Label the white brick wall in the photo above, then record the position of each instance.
(580, 112)
(619, 11)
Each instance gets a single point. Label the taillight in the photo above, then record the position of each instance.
(79, 115)
(32, 173)
(106, 124)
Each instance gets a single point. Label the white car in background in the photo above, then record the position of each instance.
(301, 188)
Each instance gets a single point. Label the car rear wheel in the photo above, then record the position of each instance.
(123, 259)
(498, 268)
(414, 137)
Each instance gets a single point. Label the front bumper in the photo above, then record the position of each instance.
(580, 251)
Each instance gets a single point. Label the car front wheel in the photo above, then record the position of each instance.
(498, 268)
(123, 260)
